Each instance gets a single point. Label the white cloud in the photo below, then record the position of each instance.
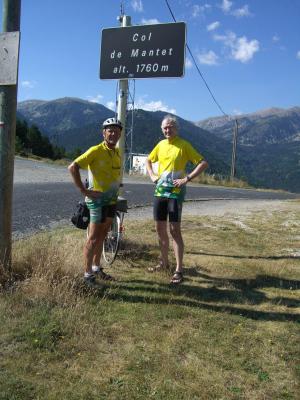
(199, 10)
(213, 26)
(240, 48)
(226, 5)
(244, 50)
(28, 84)
(242, 12)
(154, 106)
(209, 58)
(237, 112)
(151, 21)
(298, 55)
(275, 38)
(228, 39)
(95, 99)
(196, 11)
(111, 105)
(188, 63)
(137, 5)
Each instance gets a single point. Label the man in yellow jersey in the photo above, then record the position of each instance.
(103, 163)
(172, 155)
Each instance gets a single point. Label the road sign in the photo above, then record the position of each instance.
(9, 56)
(146, 51)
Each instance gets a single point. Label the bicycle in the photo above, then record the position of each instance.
(114, 236)
(111, 244)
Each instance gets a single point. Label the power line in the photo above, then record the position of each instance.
(122, 8)
(198, 69)
(235, 131)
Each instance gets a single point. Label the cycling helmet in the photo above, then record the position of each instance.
(112, 122)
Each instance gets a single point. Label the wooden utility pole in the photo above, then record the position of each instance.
(8, 109)
(234, 143)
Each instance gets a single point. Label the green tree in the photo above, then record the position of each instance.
(74, 153)
(19, 146)
(34, 139)
(46, 149)
(31, 139)
(58, 152)
(21, 133)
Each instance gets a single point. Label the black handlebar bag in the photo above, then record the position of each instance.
(81, 217)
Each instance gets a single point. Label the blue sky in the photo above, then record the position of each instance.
(248, 52)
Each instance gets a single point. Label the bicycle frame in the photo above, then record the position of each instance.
(113, 238)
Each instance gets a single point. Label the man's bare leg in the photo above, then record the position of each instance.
(98, 250)
(94, 243)
(163, 239)
(178, 245)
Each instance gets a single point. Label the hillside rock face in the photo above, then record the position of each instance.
(268, 151)
(57, 116)
(271, 126)
(75, 123)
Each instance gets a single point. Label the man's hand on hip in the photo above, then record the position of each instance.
(92, 194)
(180, 182)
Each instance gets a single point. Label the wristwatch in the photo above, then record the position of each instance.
(188, 178)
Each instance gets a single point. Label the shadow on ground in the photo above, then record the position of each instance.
(239, 296)
(287, 257)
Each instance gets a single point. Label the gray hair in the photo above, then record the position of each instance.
(170, 118)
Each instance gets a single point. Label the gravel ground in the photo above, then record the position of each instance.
(234, 208)
(28, 171)
(216, 207)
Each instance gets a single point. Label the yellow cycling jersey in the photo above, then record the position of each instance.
(172, 157)
(104, 166)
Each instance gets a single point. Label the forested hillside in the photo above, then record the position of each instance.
(268, 150)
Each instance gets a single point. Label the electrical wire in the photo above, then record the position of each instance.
(198, 69)
(122, 8)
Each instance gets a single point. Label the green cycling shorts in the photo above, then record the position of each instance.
(99, 212)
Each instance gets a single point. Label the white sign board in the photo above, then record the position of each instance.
(139, 165)
(9, 57)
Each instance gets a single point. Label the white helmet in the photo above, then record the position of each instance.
(112, 122)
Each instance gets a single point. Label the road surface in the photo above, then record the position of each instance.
(44, 196)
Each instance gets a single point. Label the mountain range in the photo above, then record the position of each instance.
(271, 126)
(268, 150)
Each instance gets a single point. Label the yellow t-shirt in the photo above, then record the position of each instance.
(104, 167)
(172, 157)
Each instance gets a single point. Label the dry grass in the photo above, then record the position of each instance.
(229, 332)
(207, 179)
(219, 180)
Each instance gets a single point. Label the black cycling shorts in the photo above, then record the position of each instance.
(164, 207)
(109, 211)
(99, 213)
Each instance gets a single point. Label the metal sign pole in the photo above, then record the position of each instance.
(8, 108)
(122, 103)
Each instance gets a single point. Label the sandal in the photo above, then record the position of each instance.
(157, 268)
(177, 278)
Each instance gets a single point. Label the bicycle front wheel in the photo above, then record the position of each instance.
(112, 241)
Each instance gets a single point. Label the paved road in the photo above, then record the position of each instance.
(44, 196)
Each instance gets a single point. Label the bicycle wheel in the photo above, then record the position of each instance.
(112, 241)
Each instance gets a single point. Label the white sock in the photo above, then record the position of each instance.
(88, 274)
(96, 268)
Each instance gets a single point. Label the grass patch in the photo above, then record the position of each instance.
(230, 331)
(210, 179)
(219, 180)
